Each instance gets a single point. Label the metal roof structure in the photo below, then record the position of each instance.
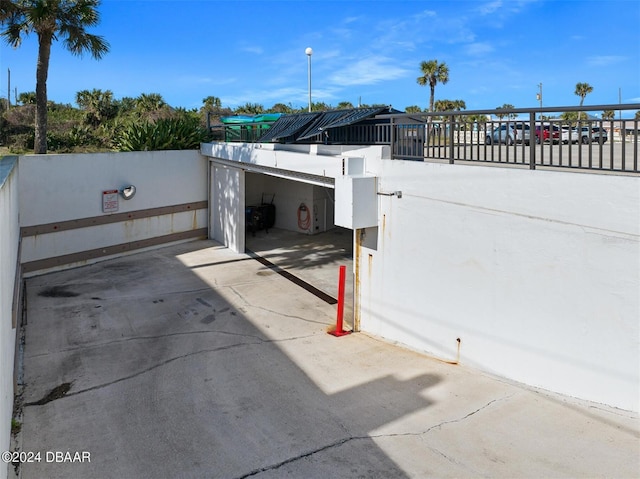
(287, 126)
(337, 118)
(316, 123)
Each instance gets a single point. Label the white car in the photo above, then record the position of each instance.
(593, 134)
(517, 132)
(570, 135)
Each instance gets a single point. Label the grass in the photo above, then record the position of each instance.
(16, 426)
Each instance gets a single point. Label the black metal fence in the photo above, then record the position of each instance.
(555, 137)
(526, 137)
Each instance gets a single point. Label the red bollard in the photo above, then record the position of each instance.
(339, 331)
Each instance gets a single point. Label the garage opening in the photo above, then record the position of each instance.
(303, 241)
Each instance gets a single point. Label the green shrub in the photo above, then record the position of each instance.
(164, 134)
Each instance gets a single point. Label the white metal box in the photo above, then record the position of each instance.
(356, 201)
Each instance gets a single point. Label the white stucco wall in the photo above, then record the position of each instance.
(9, 235)
(69, 187)
(537, 273)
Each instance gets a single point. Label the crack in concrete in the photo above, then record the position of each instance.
(303, 455)
(284, 315)
(453, 421)
(146, 338)
(151, 368)
(288, 315)
(259, 341)
(342, 441)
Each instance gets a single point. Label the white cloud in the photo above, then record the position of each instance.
(503, 8)
(253, 49)
(194, 80)
(424, 14)
(348, 20)
(479, 49)
(488, 8)
(368, 71)
(604, 60)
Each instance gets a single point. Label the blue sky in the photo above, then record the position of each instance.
(497, 51)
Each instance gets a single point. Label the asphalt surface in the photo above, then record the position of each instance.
(192, 361)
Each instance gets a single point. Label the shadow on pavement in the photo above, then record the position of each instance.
(174, 366)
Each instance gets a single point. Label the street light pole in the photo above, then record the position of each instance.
(309, 52)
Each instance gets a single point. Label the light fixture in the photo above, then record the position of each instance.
(397, 194)
(128, 192)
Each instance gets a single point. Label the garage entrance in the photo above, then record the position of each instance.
(304, 242)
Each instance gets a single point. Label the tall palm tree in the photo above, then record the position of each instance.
(432, 74)
(582, 90)
(50, 20)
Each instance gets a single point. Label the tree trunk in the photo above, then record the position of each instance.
(42, 71)
(431, 97)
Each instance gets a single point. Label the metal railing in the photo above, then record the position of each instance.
(526, 137)
(533, 137)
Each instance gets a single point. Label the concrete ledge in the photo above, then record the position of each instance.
(82, 256)
(109, 219)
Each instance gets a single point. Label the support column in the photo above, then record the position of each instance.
(227, 206)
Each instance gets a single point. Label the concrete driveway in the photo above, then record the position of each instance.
(192, 361)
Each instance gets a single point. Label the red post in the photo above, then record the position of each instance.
(339, 331)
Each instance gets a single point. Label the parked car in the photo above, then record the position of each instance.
(569, 135)
(523, 133)
(550, 133)
(593, 133)
(510, 133)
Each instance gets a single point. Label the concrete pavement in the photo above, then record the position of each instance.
(193, 361)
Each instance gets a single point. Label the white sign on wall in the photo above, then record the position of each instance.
(110, 201)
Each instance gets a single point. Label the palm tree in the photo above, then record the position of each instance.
(412, 109)
(281, 108)
(249, 109)
(212, 103)
(582, 90)
(432, 73)
(150, 102)
(98, 105)
(608, 115)
(505, 106)
(344, 105)
(65, 20)
(27, 98)
(450, 105)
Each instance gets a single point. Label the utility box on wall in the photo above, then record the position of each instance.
(356, 201)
